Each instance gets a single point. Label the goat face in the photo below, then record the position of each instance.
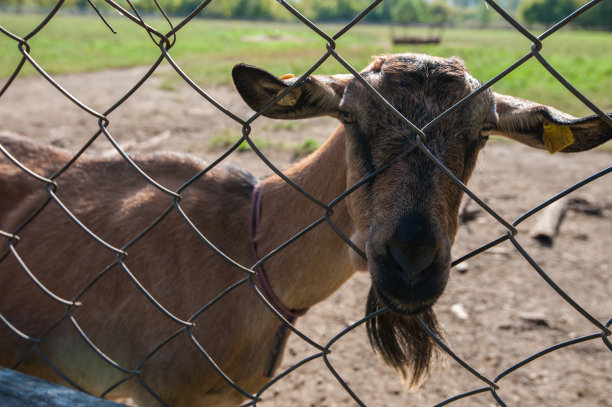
(407, 214)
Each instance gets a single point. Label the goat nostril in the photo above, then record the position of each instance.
(412, 260)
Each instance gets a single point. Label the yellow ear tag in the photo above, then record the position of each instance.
(292, 97)
(556, 137)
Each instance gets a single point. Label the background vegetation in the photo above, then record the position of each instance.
(400, 11)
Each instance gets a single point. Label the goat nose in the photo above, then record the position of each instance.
(413, 245)
(412, 259)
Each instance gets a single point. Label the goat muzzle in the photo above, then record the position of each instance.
(409, 265)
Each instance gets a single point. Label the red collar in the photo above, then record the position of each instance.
(290, 315)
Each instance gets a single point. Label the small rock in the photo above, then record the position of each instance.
(535, 319)
(462, 268)
(504, 326)
(459, 311)
(499, 251)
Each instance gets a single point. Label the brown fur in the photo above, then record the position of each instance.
(404, 220)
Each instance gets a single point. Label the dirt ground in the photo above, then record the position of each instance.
(496, 311)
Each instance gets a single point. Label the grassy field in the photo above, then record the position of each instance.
(206, 50)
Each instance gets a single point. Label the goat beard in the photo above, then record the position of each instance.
(401, 340)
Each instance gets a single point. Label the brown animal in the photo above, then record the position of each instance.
(404, 219)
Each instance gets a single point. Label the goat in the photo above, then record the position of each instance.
(404, 220)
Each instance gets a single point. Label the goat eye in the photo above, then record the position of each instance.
(486, 129)
(346, 117)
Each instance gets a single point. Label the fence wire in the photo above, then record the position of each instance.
(167, 40)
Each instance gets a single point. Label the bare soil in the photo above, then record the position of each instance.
(496, 311)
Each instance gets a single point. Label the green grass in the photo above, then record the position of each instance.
(282, 125)
(206, 50)
(229, 137)
(306, 147)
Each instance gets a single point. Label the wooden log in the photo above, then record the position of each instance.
(548, 223)
(20, 390)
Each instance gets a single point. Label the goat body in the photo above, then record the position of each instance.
(171, 261)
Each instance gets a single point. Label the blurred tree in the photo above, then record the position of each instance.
(547, 11)
(401, 11)
(551, 11)
(598, 17)
(439, 12)
(408, 11)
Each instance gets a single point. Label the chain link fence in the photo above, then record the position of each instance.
(165, 41)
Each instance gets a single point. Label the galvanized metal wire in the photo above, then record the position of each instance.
(165, 41)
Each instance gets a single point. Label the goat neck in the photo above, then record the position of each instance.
(306, 272)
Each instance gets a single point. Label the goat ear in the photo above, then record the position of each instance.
(547, 128)
(317, 95)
